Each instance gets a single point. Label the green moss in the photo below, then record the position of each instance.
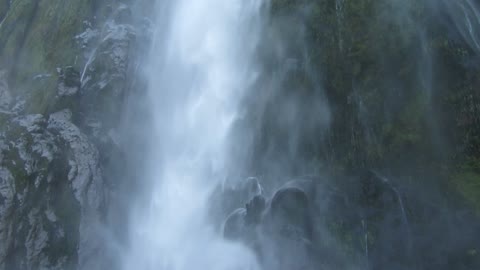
(42, 96)
(13, 29)
(55, 27)
(467, 183)
(472, 252)
(344, 237)
(38, 36)
(408, 131)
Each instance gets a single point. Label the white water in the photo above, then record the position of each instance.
(201, 65)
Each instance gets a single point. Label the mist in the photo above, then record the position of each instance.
(240, 134)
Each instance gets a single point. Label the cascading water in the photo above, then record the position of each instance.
(201, 65)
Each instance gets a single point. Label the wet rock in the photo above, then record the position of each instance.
(5, 96)
(286, 254)
(104, 78)
(250, 188)
(309, 185)
(287, 229)
(290, 213)
(28, 153)
(68, 90)
(52, 190)
(280, 230)
(84, 171)
(245, 225)
(382, 215)
(7, 196)
(242, 220)
(51, 194)
(36, 243)
(229, 196)
(88, 37)
(69, 81)
(87, 183)
(255, 209)
(235, 225)
(374, 194)
(289, 210)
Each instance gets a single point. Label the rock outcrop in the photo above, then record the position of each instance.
(65, 69)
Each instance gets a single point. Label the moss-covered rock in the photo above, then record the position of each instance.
(467, 183)
(30, 159)
(54, 167)
(36, 37)
(400, 82)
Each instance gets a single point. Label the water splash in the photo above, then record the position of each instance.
(201, 66)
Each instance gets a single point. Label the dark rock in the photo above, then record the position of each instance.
(287, 231)
(239, 224)
(68, 90)
(279, 233)
(235, 226)
(290, 213)
(250, 188)
(70, 77)
(255, 209)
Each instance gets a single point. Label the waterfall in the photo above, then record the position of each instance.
(201, 64)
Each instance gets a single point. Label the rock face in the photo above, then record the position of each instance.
(39, 224)
(352, 84)
(52, 194)
(280, 232)
(310, 223)
(65, 69)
